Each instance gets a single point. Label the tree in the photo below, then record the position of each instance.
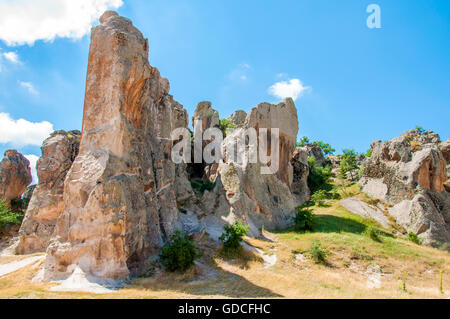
(318, 177)
(326, 148)
(348, 163)
(303, 142)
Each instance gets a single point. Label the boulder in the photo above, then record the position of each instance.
(409, 174)
(119, 195)
(46, 205)
(357, 206)
(15, 175)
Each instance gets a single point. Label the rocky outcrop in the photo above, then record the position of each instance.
(15, 175)
(206, 116)
(238, 118)
(445, 149)
(357, 206)
(262, 199)
(46, 205)
(408, 172)
(119, 195)
(316, 152)
(300, 167)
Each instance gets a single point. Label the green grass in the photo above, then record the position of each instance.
(337, 228)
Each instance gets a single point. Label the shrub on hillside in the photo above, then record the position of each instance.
(303, 219)
(317, 253)
(233, 236)
(414, 238)
(319, 197)
(179, 253)
(7, 216)
(373, 233)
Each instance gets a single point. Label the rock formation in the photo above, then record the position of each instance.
(46, 205)
(119, 194)
(238, 118)
(408, 172)
(206, 115)
(263, 199)
(316, 152)
(300, 166)
(15, 175)
(110, 208)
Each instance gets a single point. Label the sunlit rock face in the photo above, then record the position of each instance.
(46, 205)
(119, 198)
(263, 199)
(409, 173)
(15, 175)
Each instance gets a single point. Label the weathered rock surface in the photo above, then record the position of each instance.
(15, 175)
(445, 149)
(238, 118)
(300, 167)
(119, 194)
(316, 152)
(263, 199)
(357, 206)
(408, 172)
(46, 205)
(206, 115)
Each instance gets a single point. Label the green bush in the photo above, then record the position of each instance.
(326, 147)
(233, 235)
(318, 176)
(348, 163)
(225, 125)
(361, 172)
(317, 253)
(304, 219)
(319, 197)
(414, 238)
(7, 216)
(373, 233)
(179, 253)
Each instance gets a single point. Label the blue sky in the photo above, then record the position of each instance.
(357, 84)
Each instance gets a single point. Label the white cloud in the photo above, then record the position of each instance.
(293, 88)
(22, 132)
(29, 87)
(33, 161)
(11, 57)
(26, 21)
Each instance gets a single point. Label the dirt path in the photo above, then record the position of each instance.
(16, 265)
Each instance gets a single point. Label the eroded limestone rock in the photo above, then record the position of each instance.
(408, 172)
(300, 166)
(15, 175)
(119, 194)
(238, 118)
(263, 199)
(46, 205)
